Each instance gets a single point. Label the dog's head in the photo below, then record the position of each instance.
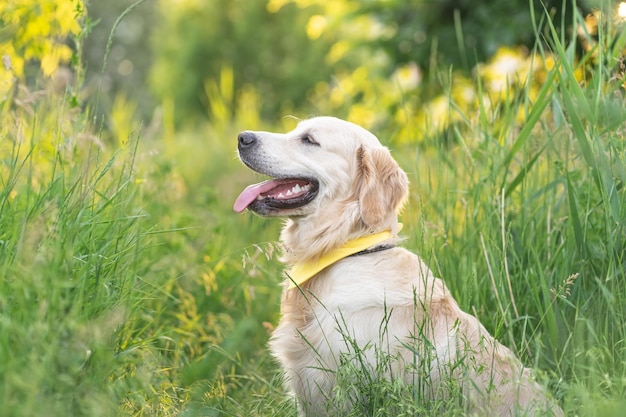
(325, 172)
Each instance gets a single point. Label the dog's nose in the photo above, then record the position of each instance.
(246, 139)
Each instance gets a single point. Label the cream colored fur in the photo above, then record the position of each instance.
(387, 301)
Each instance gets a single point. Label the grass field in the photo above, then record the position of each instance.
(129, 287)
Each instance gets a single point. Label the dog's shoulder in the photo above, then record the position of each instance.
(391, 277)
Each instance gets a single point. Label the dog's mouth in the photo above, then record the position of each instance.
(277, 194)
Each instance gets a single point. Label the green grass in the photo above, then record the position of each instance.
(130, 288)
(71, 242)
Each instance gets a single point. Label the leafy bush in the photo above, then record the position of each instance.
(33, 32)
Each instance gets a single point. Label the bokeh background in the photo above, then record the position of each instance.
(302, 58)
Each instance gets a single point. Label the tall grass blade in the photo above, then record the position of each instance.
(543, 99)
(525, 170)
(575, 217)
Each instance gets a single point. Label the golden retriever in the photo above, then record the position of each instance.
(352, 296)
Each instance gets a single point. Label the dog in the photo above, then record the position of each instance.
(352, 295)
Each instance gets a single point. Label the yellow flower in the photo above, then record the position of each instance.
(408, 76)
(273, 6)
(315, 26)
(337, 51)
(50, 62)
(508, 67)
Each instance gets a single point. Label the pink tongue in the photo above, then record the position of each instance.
(251, 192)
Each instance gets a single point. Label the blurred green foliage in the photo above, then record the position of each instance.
(292, 52)
(129, 57)
(458, 33)
(267, 51)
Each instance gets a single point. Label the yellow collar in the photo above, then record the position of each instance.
(303, 271)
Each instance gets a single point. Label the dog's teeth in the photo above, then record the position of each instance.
(289, 192)
(296, 188)
(281, 195)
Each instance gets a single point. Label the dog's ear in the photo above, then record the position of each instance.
(381, 185)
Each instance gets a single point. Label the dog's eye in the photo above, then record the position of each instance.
(308, 139)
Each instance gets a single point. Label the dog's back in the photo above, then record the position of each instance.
(391, 317)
